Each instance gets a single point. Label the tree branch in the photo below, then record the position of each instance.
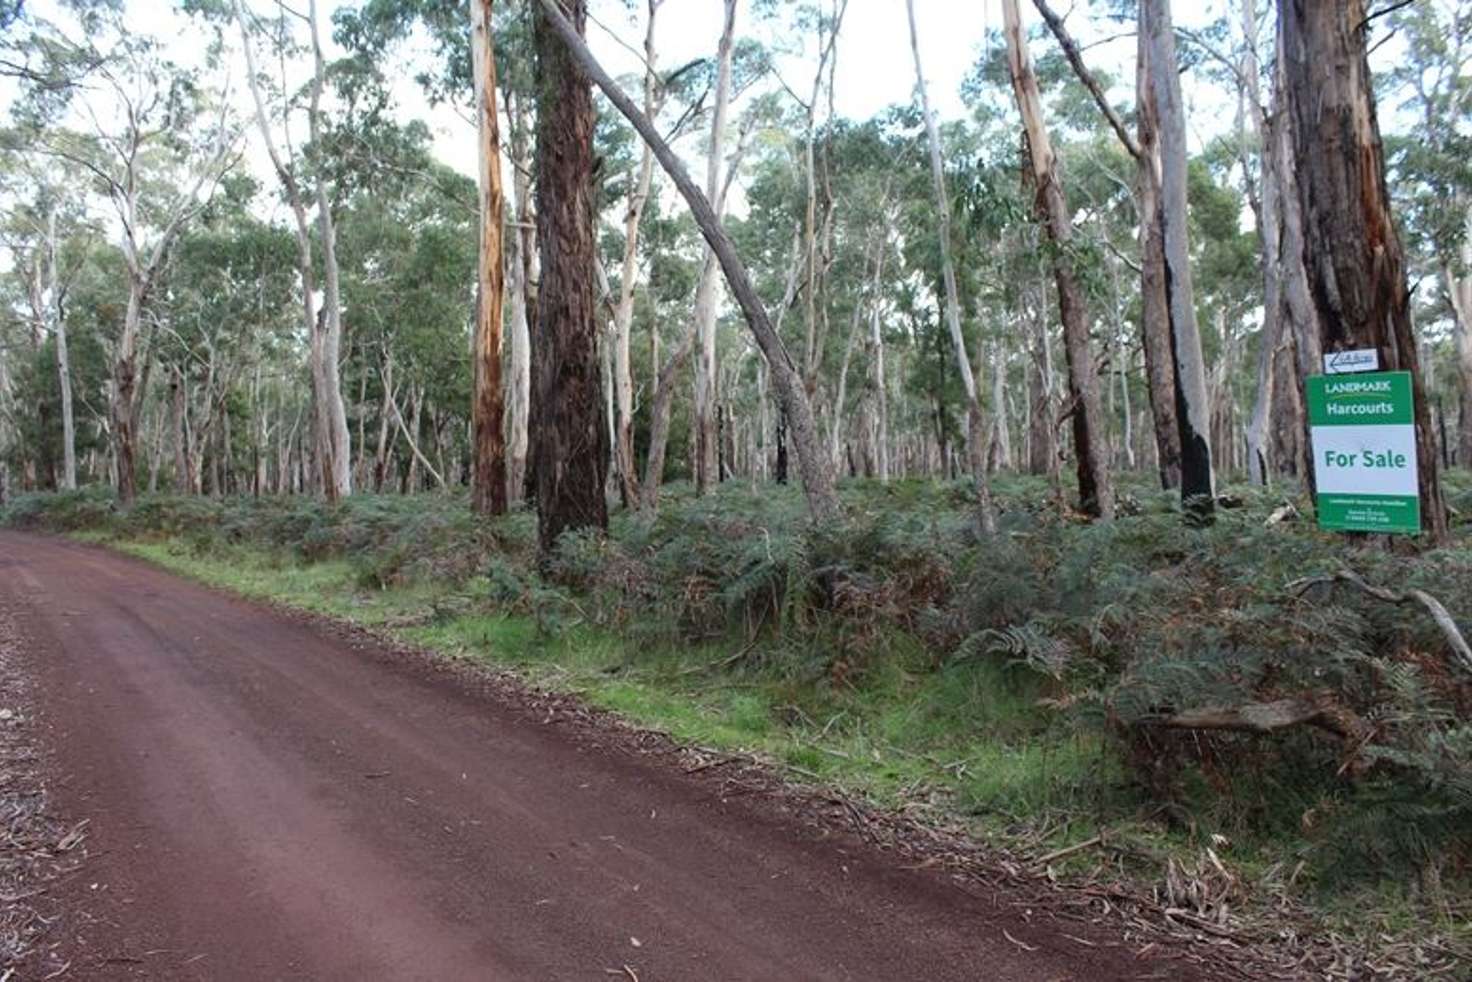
(1434, 607)
(1075, 58)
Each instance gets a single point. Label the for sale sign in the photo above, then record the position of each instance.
(1364, 439)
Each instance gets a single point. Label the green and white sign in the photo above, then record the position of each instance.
(1364, 438)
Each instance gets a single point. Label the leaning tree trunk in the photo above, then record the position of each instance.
(1352, 252)
(1163, 107)
(1095, 486)
(976, 428)
(569, 452)
(817, 476)
(488, 442)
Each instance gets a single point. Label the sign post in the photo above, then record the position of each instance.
(1364, 441)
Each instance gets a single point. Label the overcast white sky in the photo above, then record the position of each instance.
(874, 60)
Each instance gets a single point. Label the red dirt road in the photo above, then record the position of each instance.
(269, 801)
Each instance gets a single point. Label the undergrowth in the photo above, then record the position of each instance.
(1029, 681)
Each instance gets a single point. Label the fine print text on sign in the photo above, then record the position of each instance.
(1364, 439)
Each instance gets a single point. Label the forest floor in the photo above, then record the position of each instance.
(266, 798)
(962, 704)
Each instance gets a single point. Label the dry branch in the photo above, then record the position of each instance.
(1321, 711)
(1434, 607)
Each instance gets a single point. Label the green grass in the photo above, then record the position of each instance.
(970, 731)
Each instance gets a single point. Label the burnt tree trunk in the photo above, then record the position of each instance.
(1163, 107)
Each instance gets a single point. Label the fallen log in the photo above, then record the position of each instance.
(1321, 711)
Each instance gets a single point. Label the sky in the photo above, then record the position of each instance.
(874, 69)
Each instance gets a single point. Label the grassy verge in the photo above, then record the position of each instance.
(1013, 685)
(896, 741)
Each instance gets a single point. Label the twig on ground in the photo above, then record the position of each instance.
(1058, 854)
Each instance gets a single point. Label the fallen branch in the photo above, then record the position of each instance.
(1321, 711)
(1439, 613)
(1068, 851)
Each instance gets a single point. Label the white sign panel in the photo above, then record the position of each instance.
(1344, 362)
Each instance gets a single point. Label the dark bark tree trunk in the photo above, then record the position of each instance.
(571, 456)
(817, 475)
(1351, 250)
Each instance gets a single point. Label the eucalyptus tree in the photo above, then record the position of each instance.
(157, 143)
(1432, 182)
(322, 325)
(223, 319)
(488, 450)
(569, 451)
(42, 230)
(91, 270)
(816, 473)
(1163, 114)
(975, 415)
(1143, 146)
(706, 452)
(1096, 486)
(1352, 249)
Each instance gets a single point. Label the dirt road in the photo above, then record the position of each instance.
(269, 801)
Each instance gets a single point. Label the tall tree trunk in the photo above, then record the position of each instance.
(1120, 359)
(1352, 252)
(68, 419)
(1164, 108)
(1269, 231)
(1095, 484)
(385, 420)
(571, 458)
(1459, 291)
(524, 272)
(707, 455)
(183, 462)
(488, 446)
(124, 390)
(337, 471)
(45, 297)
(881, 394)
(659, 417)
(667, 374)
(325, 392)
(838, 428)
(975, 418)
(817, 475)
(623, 318)
(1042, 450)
(1155, 334)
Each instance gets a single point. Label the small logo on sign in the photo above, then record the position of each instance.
(1345, 362)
